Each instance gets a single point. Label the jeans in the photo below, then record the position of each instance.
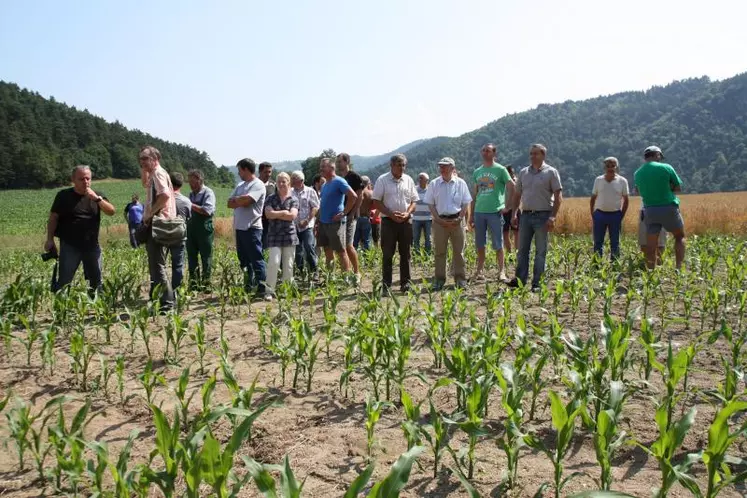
(71, 258)
(395, 237)
(157, 256)
(133, 228)
(421, 227)
(363, 233)
(532, 226)
(306, 250)
(177, 264)
(278, 256)
(251, 259)
(604, 221)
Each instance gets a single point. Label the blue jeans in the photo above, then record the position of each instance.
(492, 222)
(177, 264)
(532, 226)
(251, 259)
(306, 250)
(424, 227)
(363, 233)
(132, 229)
(604, 221)
(71, 258)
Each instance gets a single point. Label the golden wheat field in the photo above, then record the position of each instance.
(720, 213)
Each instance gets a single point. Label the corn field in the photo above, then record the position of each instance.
(607, 381)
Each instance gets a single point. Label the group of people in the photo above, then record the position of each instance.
(283, 225)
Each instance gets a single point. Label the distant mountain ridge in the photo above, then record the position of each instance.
(700, 124)
(361, 164)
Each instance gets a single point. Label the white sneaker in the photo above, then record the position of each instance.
(502, 277)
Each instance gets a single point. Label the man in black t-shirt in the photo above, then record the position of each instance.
(342, 166)
(75, 219)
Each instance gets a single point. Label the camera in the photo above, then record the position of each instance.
(50, 255)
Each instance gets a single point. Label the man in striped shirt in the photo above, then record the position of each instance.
(421, 218)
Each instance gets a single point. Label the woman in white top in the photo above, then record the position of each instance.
(608, 204)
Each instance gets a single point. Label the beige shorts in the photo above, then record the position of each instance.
(643, 234)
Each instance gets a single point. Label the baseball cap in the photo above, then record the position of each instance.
(447, 161)
(651, 149)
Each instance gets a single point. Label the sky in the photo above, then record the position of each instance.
(278, 80)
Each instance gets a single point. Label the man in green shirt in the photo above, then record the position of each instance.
(657, 183)
(488, 205)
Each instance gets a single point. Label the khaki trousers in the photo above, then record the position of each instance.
(441, 238)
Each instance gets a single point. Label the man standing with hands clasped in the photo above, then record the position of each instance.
(448, 198)
(75, 218)
(395, 196)
(540, 194)
(200, 231)
(608, 204)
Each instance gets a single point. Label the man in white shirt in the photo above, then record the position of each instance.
(449, 199)
(308, 206)
(608, 205)
(395, 196)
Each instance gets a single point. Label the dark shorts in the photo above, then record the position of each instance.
(507, 220)
(332, 235)
(662, 217)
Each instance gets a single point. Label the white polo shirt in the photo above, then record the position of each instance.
(448, 197)
(395, 194)
(609, 194)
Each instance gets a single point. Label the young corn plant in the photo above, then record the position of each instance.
(411, 425)
(512, 394)
(607, 436)
(81, 354)
(472, 424)
(715, 457)
(49, 358)
(373, 414)
(198, 336)
(149, 380)
(68, 444)
(29, 339)
(564, 423)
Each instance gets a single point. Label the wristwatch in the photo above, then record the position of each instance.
(99, 199)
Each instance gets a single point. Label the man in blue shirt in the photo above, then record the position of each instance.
(133, 212)
(337, 202)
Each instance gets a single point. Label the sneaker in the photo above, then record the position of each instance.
(268, 297)
(502, 277)
(461, 284)
(477, 277)
(405, 289)
(513, 283)
(357, 278)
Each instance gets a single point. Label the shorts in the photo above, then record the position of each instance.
(493, 222)
(662, 217)
(350, 226)
(332, 235)
(643, 234)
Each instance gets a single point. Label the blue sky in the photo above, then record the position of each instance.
(285, 79)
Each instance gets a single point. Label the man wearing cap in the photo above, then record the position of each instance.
(492, 181)
(421, 218)
(608, 204)
(540, 193)
(448, 200)
(395, 196)
(657, 183)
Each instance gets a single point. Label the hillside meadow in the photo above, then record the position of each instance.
(25, 212)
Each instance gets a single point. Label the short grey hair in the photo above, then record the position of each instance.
(80, 167)
(612, 159)
(196, 173)
(298, 175)
(365, 181)
(539, 147)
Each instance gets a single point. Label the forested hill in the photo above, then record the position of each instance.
(700, 124)
(42, 139)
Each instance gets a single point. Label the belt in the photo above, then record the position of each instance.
(449, 216)
(535, 211)
(609, 212)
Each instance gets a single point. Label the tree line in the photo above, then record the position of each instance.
(41, 140)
